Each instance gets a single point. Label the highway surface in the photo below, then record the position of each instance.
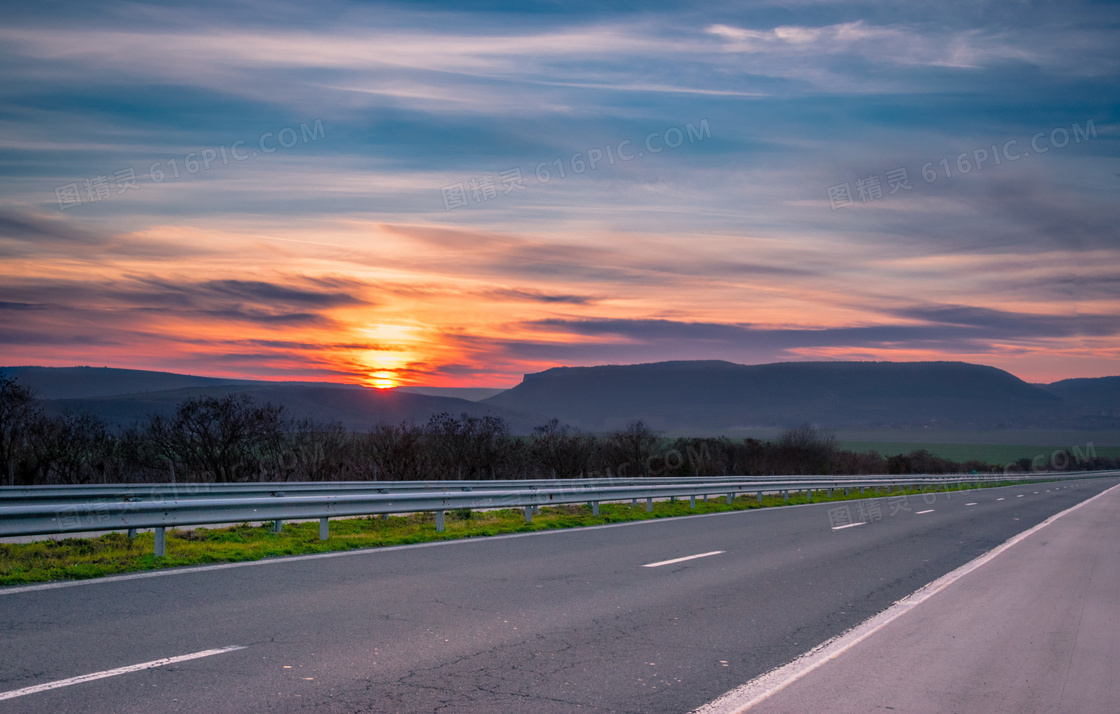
(618, 618)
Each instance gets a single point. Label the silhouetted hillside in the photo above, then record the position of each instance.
(722, 395)
(356, 408)
(1097, 393)
(472, 394)
(124, 396)
(701, 395)
(84, 382)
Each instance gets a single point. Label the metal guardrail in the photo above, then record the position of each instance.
(70, 509)
(162, 492)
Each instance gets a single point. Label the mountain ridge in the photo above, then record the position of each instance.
(713, 395)
(124, 397)
(722, 395)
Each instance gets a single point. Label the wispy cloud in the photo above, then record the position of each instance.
(340, 256)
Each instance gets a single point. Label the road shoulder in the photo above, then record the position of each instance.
(1034, 629)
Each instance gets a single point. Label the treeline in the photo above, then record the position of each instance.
(233, 439)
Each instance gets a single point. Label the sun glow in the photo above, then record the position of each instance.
(383, 380)
(396, 347)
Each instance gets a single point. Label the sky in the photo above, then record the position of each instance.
(429, 194)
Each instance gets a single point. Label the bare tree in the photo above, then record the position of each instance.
(630, 451)
(315, 452)
(73, 447)
(19, 410)
(219, 440)
(468, 447)
(805, 449)
(561, 451)
(395, 452)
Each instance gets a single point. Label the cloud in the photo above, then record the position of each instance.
(26, 228)
(519, 295)
(319, 293)
(939, 325)
(340, 254)
(898, 45)
(138, 304)
(1002, 324)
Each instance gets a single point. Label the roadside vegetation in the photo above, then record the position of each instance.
(112, 553)
(233, 439)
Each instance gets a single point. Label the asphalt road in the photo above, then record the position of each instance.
(1036, 630)
(551, 622)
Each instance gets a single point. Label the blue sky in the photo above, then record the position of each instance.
(403, 193)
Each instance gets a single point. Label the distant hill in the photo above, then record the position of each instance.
(83, 382)
(473, 394)
(722, 396)
(710, 396)
(1101, 393)
(123, 397)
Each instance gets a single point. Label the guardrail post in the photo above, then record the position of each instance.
(277, 525)
(692, 501)
(528, 514)
(649, 504)
(830, 493)
(324, 529)
(760, 496)
(730, 497)
(808, 495)
(633, 503)
(785, 494)
(439, 521)
(594, 508)
(132, 534)
(161, 541)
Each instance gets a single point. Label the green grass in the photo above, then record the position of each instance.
(81, 558)
(996, 454)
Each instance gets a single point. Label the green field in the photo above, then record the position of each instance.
(989, 453)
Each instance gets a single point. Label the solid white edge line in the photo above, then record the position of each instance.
(114, 672)
(764, 686)
(681, 560)
(850, 525)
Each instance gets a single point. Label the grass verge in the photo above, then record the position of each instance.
(81, 558)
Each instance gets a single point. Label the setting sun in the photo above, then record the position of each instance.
(383, 380)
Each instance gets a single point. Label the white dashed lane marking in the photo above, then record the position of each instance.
(114, 672)
(681, 560)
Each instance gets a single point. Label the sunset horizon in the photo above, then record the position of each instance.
(393, 196)
(382, 380)
(562, 355)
